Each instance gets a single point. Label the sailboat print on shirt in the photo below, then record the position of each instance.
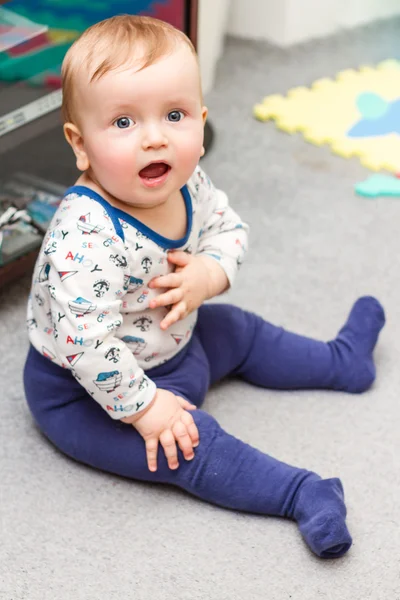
(86, 226)
(80, 307)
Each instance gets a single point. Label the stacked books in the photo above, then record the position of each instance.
(27, 205)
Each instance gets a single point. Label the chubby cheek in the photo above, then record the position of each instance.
(188, 152)
(112, 164)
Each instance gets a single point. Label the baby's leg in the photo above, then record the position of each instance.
(225, 471)
(241, 343)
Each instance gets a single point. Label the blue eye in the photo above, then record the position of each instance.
(123, 123)
(175, 116)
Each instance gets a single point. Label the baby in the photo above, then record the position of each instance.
(123, 346)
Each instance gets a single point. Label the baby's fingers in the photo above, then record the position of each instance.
(184, 442)
(151, 453)
(191, 426)
(179, 258)
(168, 442)
(172, 280)
(177, 312)
(170, 297)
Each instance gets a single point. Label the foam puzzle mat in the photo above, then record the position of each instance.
(378, 185)
(357, 114)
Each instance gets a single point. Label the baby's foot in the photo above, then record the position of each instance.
(354, 345)
(321, 515)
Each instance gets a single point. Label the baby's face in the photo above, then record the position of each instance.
(143, 129)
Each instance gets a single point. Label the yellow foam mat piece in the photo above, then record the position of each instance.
(325, 113)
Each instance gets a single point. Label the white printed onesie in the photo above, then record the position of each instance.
(89, 305)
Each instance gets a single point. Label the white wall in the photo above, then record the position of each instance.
(363, 11)
(286, 22)
(281, 22)
(257, 19)
(212, 25)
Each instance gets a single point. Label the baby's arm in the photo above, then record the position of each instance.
(87, 278)
(224, 236)
(221, 246)
(87, 287)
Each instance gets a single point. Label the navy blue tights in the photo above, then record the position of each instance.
(225, 471)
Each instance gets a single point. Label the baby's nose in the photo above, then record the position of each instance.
(154, 137)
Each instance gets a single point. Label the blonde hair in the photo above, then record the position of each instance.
(109, 44)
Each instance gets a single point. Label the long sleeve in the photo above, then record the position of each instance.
(87, 276)
(223, 235)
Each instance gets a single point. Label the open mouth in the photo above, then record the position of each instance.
(155, 173)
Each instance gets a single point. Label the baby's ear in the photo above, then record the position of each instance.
(75, 140)
(204, 113)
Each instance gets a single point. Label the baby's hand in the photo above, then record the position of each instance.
(196, 279)
(167, 421)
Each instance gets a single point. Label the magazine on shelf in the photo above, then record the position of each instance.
(27, 205)
(16, 30)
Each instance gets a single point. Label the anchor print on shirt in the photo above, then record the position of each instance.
(51, 248)
(143, 323)
(100, 287)
(113, 355)
(119, 261)
(146, 264)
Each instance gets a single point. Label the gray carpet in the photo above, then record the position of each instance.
(70, 532)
